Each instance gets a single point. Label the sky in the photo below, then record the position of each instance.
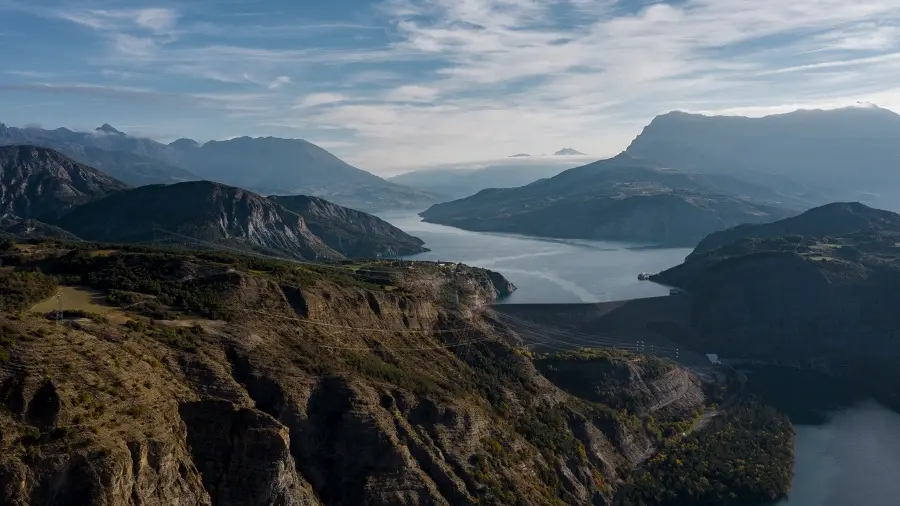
(390, 85)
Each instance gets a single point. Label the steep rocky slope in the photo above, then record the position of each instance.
(354, 234)
(842, 154)
(261, 382)
(42, 183)
(820, 301)
(622, 198)
(198, 211)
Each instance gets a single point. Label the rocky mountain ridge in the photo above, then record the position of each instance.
(41, 183)
(353, 233)
(267, 165)
(261, 382)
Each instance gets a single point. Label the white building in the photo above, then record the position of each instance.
(713, 358)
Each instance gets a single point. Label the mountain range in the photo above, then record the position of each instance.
(623, 198)
(824, 155)
(44, 185)
(265, 165)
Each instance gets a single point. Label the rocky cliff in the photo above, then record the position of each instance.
(260, 382)
(41, 183)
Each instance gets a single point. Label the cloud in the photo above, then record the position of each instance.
(424, 82)
(279, 82)
(317, 99)
(411, 93)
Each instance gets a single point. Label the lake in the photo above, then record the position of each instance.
(847, 449)
(852, 459)
(547, 270)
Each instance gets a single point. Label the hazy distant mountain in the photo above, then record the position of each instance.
(456, 183)
(267, 165)
(568, 152)
(131, 160)
(197, 210)
(40, 183)
(621, 199)
(844, 154)
(293, 166)
(354, 234)
(520, 155)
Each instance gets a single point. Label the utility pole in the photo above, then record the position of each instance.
(59, 311)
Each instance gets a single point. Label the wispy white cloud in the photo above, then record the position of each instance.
(317, 99)
(479, 79)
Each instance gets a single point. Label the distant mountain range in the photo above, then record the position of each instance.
(568, 152)
(45, 193)
(623, 198)
(266, 165)
(456, 183)
(822, 155)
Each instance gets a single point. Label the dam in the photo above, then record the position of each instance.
(658, 326)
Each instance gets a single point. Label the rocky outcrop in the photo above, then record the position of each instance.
(41, 183)
(199, 211)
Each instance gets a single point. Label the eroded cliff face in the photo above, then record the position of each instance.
(313, 393)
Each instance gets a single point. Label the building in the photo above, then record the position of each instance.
(713, 358)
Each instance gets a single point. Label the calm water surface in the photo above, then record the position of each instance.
(849, 458)
(553, 271)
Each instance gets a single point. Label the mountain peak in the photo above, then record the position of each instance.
(184, 143)
(568, 152)
(106, 127)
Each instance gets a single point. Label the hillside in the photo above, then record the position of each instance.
(42, 183)
(134, 161)
(843, 154)
(836, 220)
(622, 199)
(255, 379)
(457, 183)
(819, 300)
(198, 211)
(352, 233)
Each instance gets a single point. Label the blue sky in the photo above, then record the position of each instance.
(399, 84)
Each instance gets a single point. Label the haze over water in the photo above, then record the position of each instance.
(849, 458)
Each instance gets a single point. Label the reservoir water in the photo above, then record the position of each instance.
(546, 270)
(848, 455)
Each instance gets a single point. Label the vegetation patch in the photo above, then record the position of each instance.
(746, 457)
